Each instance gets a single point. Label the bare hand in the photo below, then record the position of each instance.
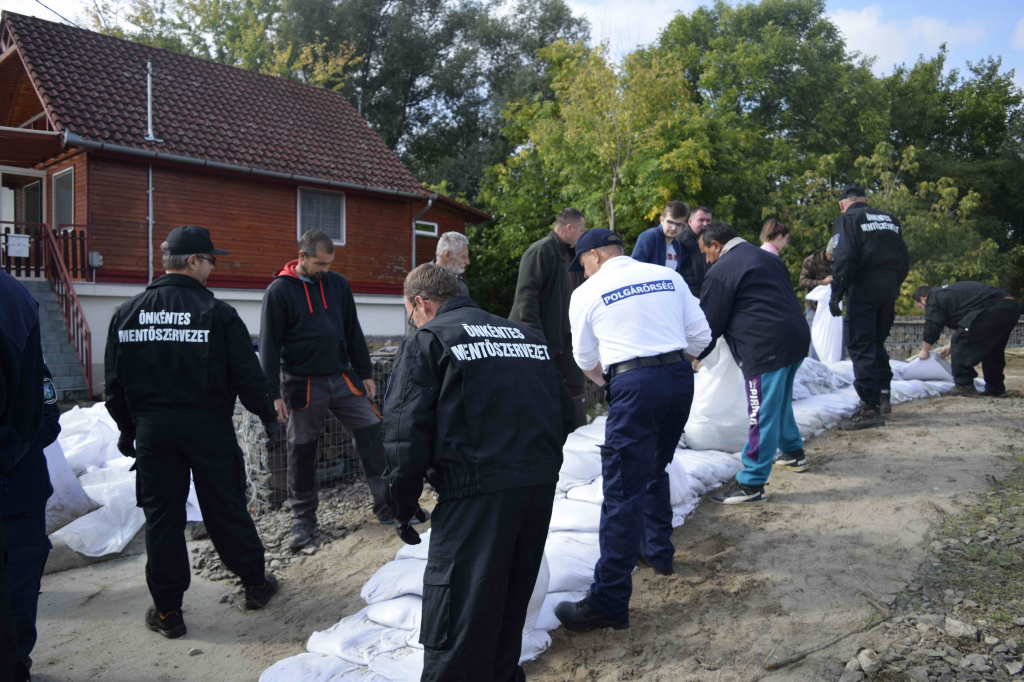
(827, 280)
(282, 411)
(371, 388)
(945, 350)
(924, 355)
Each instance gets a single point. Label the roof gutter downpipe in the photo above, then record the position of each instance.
(150, 193)
(73, 140)
(430, 202)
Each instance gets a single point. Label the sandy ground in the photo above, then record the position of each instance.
(792, 574)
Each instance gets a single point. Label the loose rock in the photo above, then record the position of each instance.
(956, 628)
(869, 662)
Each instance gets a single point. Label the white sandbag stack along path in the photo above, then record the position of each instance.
(88, 440)
(380, 642)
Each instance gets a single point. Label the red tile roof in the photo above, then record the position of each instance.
(94, 86)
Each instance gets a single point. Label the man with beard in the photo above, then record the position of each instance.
(316, 360)
(453, 254)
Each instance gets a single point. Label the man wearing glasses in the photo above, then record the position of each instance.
(176, 359)
(659, 245)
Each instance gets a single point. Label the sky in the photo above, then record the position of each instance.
(894, 32)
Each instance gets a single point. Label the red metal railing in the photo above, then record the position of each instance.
(48, 255)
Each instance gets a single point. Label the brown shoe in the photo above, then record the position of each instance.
(968, 391)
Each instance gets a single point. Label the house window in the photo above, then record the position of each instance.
(425, 229)
(64, 198)
(322, 211)
(30, 196)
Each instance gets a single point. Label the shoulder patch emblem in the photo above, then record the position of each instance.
(835, 241)
(49, 392)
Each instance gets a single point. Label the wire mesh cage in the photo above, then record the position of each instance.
(266, 464)
(907, 333)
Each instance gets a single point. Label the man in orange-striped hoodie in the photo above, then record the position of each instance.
(315, 357)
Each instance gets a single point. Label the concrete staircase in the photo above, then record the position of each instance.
(58, 352)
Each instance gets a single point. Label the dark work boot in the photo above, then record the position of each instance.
(171, 624)
(966, 391)
(866, 417)
(257, 596)
(993, 392)
(578, 616)
(300, 536)
(644, 561)
(886, 406)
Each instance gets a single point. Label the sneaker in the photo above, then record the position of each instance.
(866, 417)
(886, 403)
(171, 624)
(988, 393)
(257, 596)
(580, 617)
(741, 494)
(968, 391)
(793, 461)
(301, 535)
(644, 561)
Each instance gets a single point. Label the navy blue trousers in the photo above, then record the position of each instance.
(647, 410)
(27, 549)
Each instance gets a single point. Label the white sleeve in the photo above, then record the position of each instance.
(698, 331)
(584, 342)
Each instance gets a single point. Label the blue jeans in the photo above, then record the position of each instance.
(647, 410)
(772, 424)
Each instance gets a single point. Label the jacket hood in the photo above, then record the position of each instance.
(289, 270)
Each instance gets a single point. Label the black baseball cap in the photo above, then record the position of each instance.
(593, 239)
(852, 190)
(189, 239)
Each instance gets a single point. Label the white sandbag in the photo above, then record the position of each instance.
(897, 367)
(110, 528)
(581, 459)
(87, 442)
(593, 431)
(403, 665)
(574, 515)
(540, 591)
(592, 492)
(826, 330)
(571, 563)
(842, 372)
(934, 368)
(534, 644)
(678, 482)
(402, 612)
(902, 391)
(718, 417)
(547, 619)
(353, 638)
(309, 668)
(394, 579)
(415, 551)
(708, 468)
(68, 501)
(815, 377)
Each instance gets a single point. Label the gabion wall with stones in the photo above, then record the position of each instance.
(907, 333)
(266, 465)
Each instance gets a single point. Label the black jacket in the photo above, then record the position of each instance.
(957, 305)
(177, 355)
(21, 372)
(695, 266)
(475, 405)
(867, 244)
(29, 486)
(748, 297)
(310, 329)
(540, 300)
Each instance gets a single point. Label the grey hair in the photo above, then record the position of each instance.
(717, 231)
(432, 282)
(452, 242)
(315, 240)
(175, 262)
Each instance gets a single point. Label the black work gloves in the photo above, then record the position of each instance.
(834, 308)
(406, 531)
(126, 444)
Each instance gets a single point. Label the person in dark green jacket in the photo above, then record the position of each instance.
(542, 297)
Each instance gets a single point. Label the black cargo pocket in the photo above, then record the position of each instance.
(436, 604)
(295, 391)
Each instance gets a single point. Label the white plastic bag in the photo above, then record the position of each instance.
(826, 330)
(88, 437)
(68, 501)
(718, 417)
(110, 528)
(934, 368)
(308, 668)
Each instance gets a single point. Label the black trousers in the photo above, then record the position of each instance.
(166, 453)
(574, 380)
(985, 342)
(870, 310)
(485, 553)
(27, 549)
(9, 664)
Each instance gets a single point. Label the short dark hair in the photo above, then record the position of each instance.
(700, 208)
(676, 209)
(717, 231)
(315, 240)
(568, 215)
(432, 282)
(922, 292)
(772, 229)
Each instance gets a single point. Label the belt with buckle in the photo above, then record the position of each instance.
(650, 361)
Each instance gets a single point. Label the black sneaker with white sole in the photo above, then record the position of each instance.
(171, 624)
(793, 461)
(741, 494)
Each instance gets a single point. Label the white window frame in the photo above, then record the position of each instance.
(53, 198)
(42, 206)
(431, 232)
(298, 212)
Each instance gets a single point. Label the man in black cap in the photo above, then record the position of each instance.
(176, 359)
(869, 262)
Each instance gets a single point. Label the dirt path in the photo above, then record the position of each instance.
(792, 576)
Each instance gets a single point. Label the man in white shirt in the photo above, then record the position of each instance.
(633, 325)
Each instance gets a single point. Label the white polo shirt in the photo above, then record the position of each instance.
(629, 309)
